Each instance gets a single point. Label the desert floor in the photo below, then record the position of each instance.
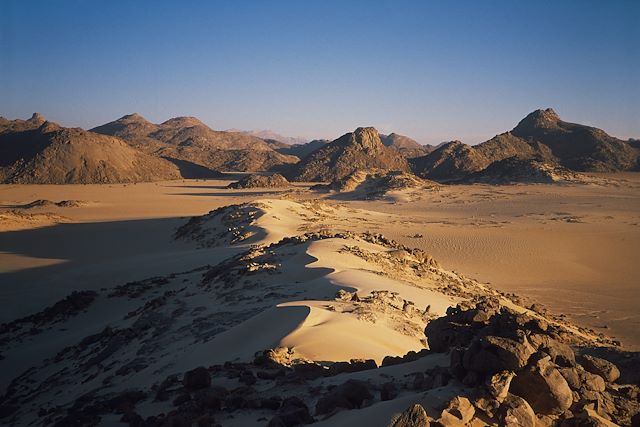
(573, 248)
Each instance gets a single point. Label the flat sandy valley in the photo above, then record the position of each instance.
(572, 248)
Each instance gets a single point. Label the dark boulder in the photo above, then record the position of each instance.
(293, 412)
(349, 395)
(493, 354)
(602, 367)
(543, 387)
(197, 379)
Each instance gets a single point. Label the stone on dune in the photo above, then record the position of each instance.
(602, 367)
(413, 416)
(561, 354)
(494, 354)
(543, 387)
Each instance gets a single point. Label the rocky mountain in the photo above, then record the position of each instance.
(358, 150)
(366, 185)
(261, 181)
(516, 170)
(542, 136)
(37, 151)
(188, 139)
(453, 160)
(578, 147)
(405, 145)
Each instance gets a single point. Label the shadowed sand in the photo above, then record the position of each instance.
(571, 248)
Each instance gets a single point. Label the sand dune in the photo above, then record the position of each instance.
(309, 278)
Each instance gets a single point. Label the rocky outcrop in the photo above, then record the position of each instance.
(450, 162)
(358, 150)
(261, 181)
(375, 184)
(520, 368)
(516, 170)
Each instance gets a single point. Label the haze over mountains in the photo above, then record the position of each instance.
(132, 149)
(188, 139)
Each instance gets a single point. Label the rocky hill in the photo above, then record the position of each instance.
(261, 181)
(450, 162)
(405, 145)
(188, 139)
(516, 170)
(368, 185)
(36, 151)
(539, 136)
(578, 147)
(358, 150)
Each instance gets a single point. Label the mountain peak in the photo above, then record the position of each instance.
(132, 118)
(367, 137)
(183, 121)
(539, 119)
(37, 118)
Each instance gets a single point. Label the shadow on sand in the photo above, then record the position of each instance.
(94, 255)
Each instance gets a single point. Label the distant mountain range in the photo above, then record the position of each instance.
(542, 136)
(42, 152)
(267, 134)
(132, 149)
(187, 139)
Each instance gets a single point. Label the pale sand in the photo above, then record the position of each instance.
(520, 238)
(121, 236)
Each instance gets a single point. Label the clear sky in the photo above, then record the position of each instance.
(434, 71)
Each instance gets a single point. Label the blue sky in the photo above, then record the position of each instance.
(432, 70)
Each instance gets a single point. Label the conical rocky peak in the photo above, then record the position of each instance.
(37, 118)
(539, 119)
(132, 118)
(367, 137)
